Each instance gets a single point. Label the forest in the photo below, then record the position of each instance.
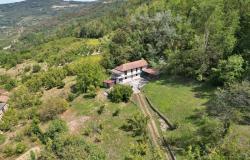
(201, 47)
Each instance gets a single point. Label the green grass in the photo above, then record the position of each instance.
(114, 141)
(2, 139)
(179, 100)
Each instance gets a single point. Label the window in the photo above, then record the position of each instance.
(126, 72)
(131, 70)
(141, 68)
(125, 77)
(136, 69)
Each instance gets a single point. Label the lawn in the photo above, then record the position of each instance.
(179, 100)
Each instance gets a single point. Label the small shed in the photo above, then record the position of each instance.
(151, 73)
(109, 83)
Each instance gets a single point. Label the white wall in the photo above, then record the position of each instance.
(129, 75)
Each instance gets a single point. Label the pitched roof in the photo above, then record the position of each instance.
(132, 65)
(151, 71)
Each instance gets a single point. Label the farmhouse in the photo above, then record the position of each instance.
(130, 72)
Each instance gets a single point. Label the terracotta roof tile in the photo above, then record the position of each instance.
(132, 65)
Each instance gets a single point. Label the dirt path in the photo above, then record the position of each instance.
(154, 132)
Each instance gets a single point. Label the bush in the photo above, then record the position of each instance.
(36, 68)
(229, 71)
(116, 113)
(20, 148)
(56, 127)
(22, 98)
(120, 93)
(7, 82)
(2, 139)
(9, 120)
(51, 108)
(27, 69)
(101, 110)
(8, 150)
(71, 97)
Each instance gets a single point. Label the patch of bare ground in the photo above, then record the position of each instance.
(101, 96)
(74, 122)
(26, 155)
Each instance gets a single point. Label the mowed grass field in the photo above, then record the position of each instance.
(179, 100)
(183, 102)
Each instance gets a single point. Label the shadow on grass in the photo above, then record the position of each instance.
(201, 89)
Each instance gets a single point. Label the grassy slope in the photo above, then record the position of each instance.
(179, 99)
(114, 141)
(176, 98)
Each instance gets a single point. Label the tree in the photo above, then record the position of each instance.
(51, 108)
(56, 127)
(120, 93)
(23, 98)
(137, 125)
(71, 147)
(229, 71)
(90, 76)
(231, 105)
(9, 120)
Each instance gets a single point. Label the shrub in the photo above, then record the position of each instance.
(101, 110)
(36, 68)
(8, 150)
(120, 93)
(7, 82)
(51, 108)
(22, 98)
(56, 127)
(229, 71)
(20, 148)
(9, 120)
(27, 69)
(91, 92)
(32, 155)
(2, 139)
(71, 97)
(137, 125)
(116, 113)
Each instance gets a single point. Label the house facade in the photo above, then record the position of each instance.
(128, 72)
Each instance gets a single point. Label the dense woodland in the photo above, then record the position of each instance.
(205, 41)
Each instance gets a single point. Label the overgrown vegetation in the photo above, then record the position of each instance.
(120, 93)
(198, 40)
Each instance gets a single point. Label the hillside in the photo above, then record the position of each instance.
(35, 15)
(60, 56)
